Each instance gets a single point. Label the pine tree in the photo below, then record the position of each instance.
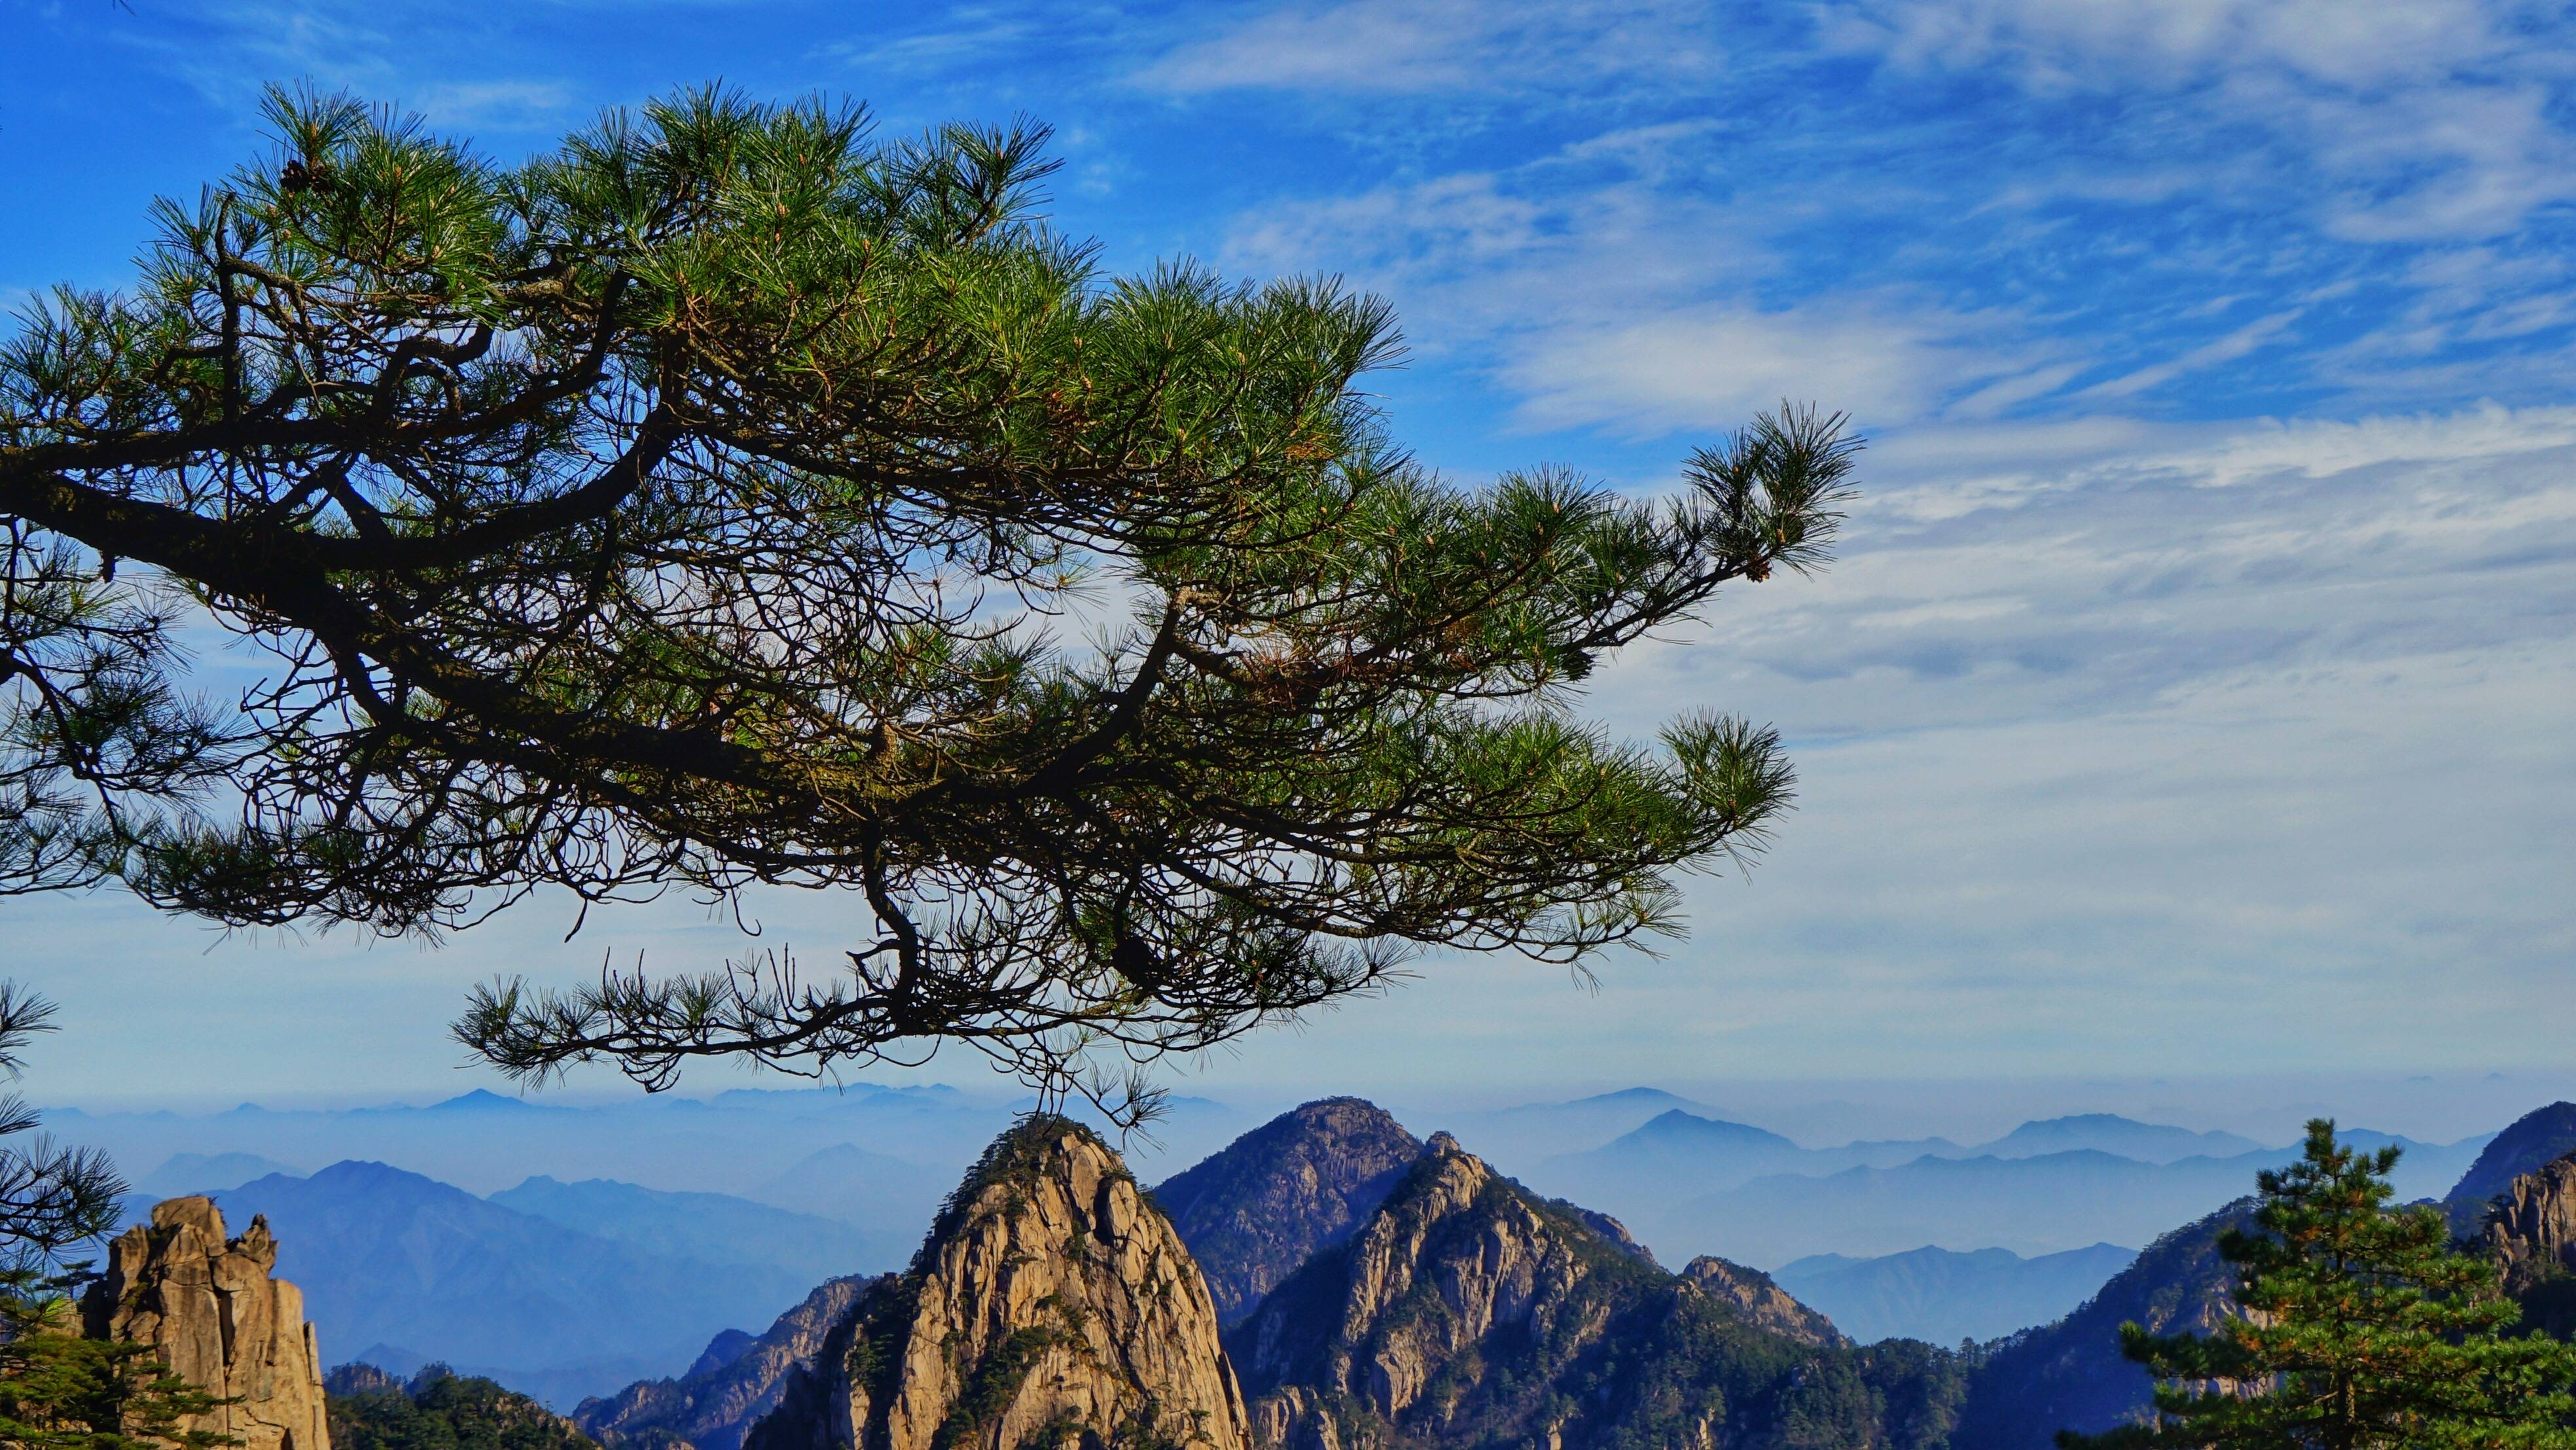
(61, 1391)
(2362, 1329)
(733, 498)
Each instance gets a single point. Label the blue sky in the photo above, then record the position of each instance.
(2194, 696)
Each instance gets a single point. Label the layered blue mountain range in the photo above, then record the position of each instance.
(571, 1277)
(1692, 1185)
(1945, 1296)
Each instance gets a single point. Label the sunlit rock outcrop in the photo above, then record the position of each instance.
(212, 1312)
(1053, 1306)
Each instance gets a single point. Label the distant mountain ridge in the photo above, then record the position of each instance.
(2029, 1205)
(1691, 1185)
(734, 1142)
(187, 1173)
(1533, 1132)
(735, 1380)
(1679, 1154)
(1679, 1131)
(712, 1227)
(878, 1192)
(1945, 1296)
(2070, 1375)
(1649, 1175)
(2111, 1133)
(391, 1258)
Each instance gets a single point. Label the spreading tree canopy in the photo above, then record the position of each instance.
(2362, 1328)
(734, 498)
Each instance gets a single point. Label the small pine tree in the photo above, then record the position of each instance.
(60, 1391)
(2363, 1330)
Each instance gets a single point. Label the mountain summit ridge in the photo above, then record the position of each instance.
(1467, 1311)
(1051, 1303)
(2527, 1143)
(1255, 1210)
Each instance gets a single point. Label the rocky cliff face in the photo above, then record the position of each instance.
(1297, 1184)
(1468, 1311)
(738, 1380)
(1052, 1307)
(1762, 1302)
(208, 1306)
(2530, 1142)
(2531, 1229)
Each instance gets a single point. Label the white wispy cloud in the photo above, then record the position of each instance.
(1714, 364)
(2002, 573)
(2224, 349)
(2124, 747)
(2132, 714)
(500, 105)
(228, 50)
(1396, 46)
(2431, 117)
(2344, 42)
(1620, 303)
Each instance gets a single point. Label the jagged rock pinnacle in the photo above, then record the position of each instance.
(212, 1313)
(1052, 1305)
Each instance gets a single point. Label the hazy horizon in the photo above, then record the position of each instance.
(1814, 1112)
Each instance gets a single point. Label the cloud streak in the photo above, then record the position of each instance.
(1372, 47)
(1613, 304)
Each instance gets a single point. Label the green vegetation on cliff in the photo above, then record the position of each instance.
(438, 1410)
(60, 1390)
